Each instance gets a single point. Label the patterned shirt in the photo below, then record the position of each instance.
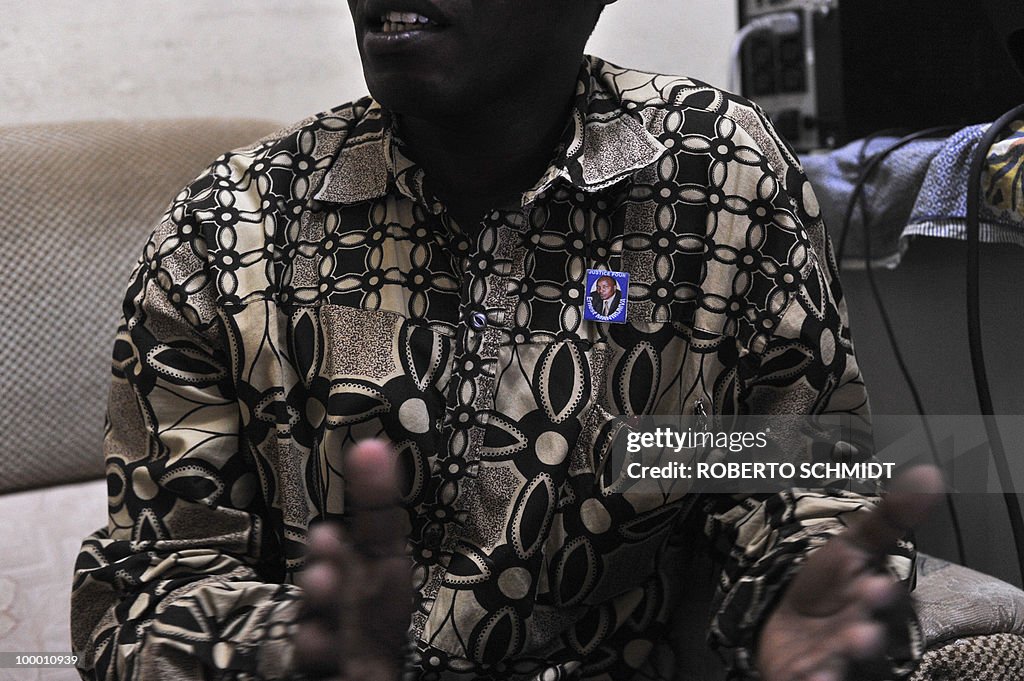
(310, 291)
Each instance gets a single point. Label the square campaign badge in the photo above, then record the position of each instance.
(607, 296)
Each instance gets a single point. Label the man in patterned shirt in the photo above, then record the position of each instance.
(413, 268)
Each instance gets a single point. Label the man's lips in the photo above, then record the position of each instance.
(396, 30)
(390, 38)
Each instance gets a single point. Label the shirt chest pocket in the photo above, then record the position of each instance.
(364, 374)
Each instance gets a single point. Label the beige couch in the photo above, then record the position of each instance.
(78, 202)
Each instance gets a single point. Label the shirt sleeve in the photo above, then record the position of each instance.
(185, 582)
(798, 358)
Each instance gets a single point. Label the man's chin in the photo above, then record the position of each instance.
(418, 96)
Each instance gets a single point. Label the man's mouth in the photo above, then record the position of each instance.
(403, 22)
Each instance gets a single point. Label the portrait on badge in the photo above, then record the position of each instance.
(607, 296)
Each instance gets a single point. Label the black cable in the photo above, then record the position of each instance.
(995, 438)
(862, 153)
(868, 171)
(857, 198)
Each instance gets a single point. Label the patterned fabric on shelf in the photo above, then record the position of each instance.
(919, 191)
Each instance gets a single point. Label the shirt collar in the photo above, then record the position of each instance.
(602, 143)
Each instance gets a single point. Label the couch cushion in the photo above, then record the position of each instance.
(78, 201)
(996, 657)
(957, 602)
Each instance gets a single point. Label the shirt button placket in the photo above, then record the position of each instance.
(470, 394)
(483, 300)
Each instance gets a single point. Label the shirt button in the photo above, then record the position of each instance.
(478, 320)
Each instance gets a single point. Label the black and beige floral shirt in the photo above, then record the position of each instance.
(309, 291)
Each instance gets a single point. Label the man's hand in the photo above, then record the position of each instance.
(357, 583)
(828, 618)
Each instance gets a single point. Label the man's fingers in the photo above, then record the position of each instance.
(908, 502)
(358, 592)
(371, 475)
(876, 592)
(825, 675)
(316, 641)
(862, 640)
(840, 607)
(380, 590)
(316, 651)
(819, 588)
(322, 585)
(377, 638)
(326, 541)
(830, 660)
(321, 580)
(376, 524)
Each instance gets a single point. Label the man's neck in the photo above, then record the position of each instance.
(486, 159)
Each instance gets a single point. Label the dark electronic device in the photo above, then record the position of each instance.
(855, 67)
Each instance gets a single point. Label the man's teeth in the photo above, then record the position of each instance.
(396, 22)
